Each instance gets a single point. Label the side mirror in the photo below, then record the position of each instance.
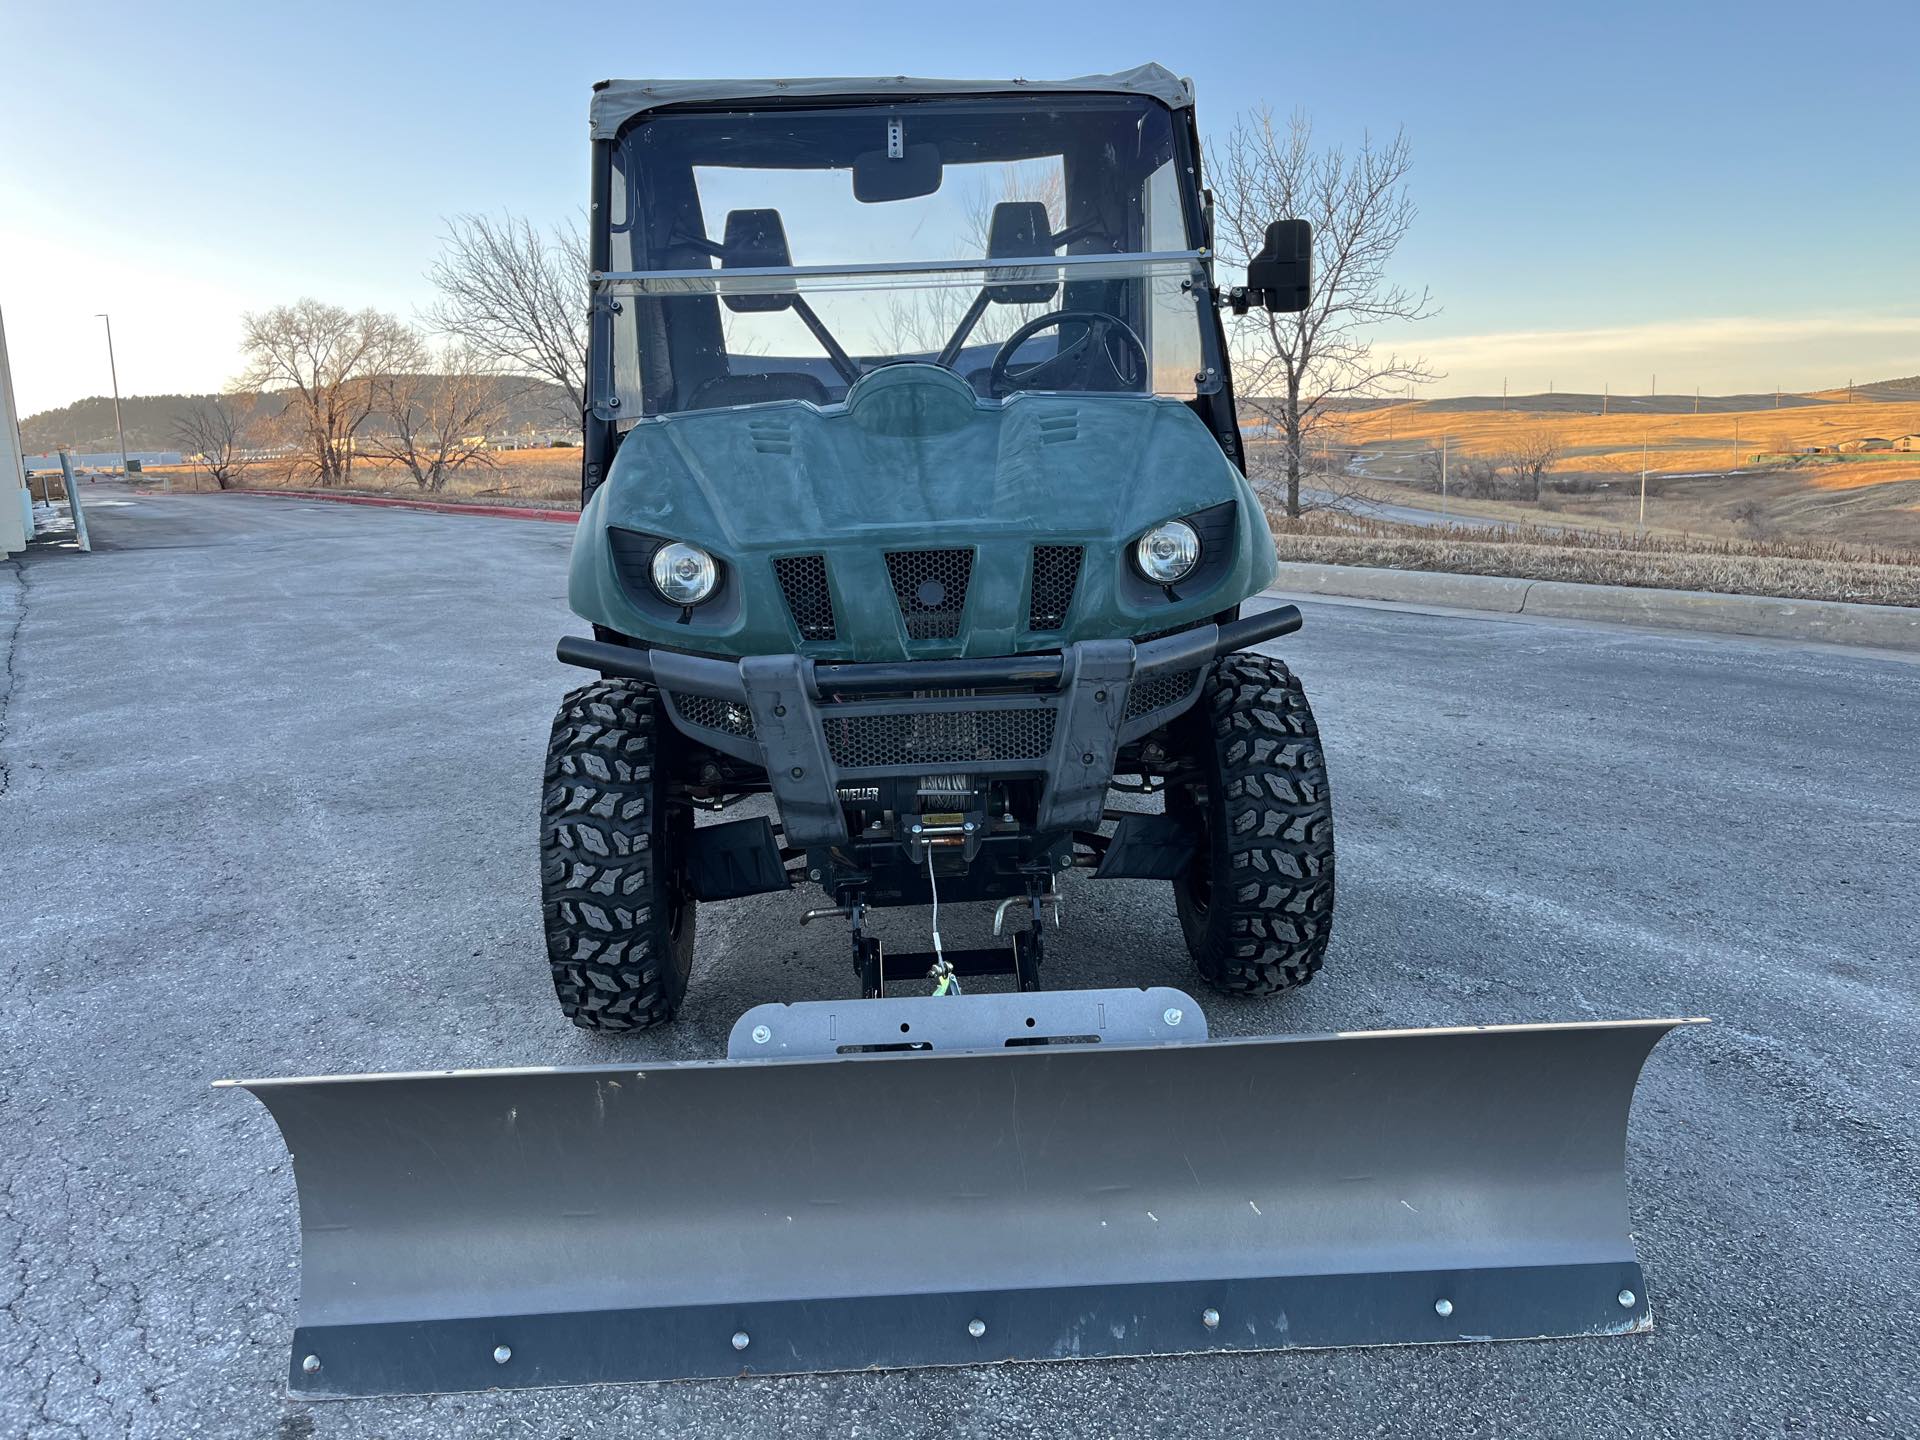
(1280, 277)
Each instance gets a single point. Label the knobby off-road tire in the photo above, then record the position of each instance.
(1257, 906)
(619, 922)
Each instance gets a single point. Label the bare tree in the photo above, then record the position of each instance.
(329, 359)
(213, 432)
(437, 412)
(1527, 460)
(516, 298)
(1291, 369)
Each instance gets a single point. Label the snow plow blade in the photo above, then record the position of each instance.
(825, 1200)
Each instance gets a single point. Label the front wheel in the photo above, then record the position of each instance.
(619, 921)
(1256, 905)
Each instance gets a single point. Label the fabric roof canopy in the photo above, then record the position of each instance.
(615, 102)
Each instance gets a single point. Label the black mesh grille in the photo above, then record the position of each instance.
(712, 714)
(1150, 695)
(1056, 570)
(948, 737)
(931, 586)
(803, 578)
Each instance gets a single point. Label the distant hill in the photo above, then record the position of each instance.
(150, 419)
(1579, 403)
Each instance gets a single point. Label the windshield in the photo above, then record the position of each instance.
(781, 253)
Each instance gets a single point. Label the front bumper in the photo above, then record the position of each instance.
(816, 727)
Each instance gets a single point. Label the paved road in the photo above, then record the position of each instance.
(270, 787)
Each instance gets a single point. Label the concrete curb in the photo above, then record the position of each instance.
(437, 507)
(1889, 627)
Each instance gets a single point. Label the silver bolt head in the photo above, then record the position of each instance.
(813, 874)
(1172, 1015)
(739, 1339)
(967, 826)
(1066, 862)
(311, 1365)
(761, 1034)
(1210, 1318)
(502, 1354)
(1626, 1298)
(1443, 1308)
(976, 1328)
(916, 829)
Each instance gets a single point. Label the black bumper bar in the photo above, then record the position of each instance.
(721, 678)
(814, 727)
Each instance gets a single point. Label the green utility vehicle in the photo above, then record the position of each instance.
(926, 546)
(914, 499)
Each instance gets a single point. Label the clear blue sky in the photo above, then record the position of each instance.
(1728, 195)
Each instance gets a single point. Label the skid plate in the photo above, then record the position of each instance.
(980, 1201)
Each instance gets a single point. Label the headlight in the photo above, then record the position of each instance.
(1168, 552)
(684, 574)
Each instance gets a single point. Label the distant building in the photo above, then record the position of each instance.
(1868, 442)
(1910, 443)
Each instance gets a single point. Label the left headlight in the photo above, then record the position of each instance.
(684, 574)
(1168, 552)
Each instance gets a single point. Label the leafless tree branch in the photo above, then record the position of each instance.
(213, 433)
(328, 359)
(1293, 370)
(516, 298)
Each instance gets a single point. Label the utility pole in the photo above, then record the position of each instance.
(1443, 476)
(1643, 479)
(114, 371)
(1736, 443)
(1605, 390)
(1653, 385)
(1696, 399)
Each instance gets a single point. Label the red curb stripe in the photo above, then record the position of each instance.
(437, 507)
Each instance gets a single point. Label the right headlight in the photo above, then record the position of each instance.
(684, 574)
(1168, 552)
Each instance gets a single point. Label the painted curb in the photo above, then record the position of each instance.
(436, 507)
(1831, 622)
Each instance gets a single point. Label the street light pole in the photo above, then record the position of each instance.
(114, 371)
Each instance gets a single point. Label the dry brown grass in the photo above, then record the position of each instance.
(1796, 570)
(1871, 499)
(543, 477)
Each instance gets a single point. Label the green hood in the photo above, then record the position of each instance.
(912, 461)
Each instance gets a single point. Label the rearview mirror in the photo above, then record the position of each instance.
(1280, 277)
(878, 176)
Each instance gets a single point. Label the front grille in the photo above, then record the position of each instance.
(711, 714)
(931, 586)
(1151, 695)
(803, 579)
(1056, 570)
(943, 737)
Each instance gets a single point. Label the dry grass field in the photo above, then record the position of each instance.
(1795, 570)
(1733, 474)
(526, 477)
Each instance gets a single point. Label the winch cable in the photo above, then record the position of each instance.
(946, 982)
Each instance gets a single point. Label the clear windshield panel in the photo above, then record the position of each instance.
(780, 252)
(1120, 324)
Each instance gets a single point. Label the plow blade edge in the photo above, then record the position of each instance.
(826, 1211)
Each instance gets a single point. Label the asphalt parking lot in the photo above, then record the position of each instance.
(268, 785)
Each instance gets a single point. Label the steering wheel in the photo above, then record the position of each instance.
(1077, 363)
